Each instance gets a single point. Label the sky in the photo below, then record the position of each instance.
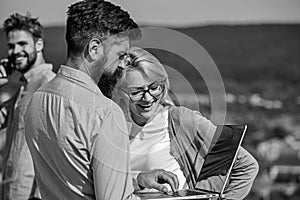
(175, 13)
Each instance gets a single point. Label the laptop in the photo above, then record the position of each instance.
(220, 160)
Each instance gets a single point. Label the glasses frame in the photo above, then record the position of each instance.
(156, 97)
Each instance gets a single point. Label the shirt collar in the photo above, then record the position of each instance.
(34, 71)
(78, 76)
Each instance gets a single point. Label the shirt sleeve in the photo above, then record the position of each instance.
(242, 176)
(244, 170)
(110, 159)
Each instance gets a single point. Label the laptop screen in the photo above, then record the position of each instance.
(222, 151)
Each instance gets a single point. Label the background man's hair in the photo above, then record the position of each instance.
(89, 19)
(23, 23)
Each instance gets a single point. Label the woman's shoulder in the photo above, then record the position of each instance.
(186, 117)
(181, 111)
(182, 116)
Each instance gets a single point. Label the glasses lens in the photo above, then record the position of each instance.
(135, 96)
(155, 90)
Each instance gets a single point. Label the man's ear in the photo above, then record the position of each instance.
(39, 45)
(95, 48)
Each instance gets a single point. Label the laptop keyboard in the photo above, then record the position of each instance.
(183, 193)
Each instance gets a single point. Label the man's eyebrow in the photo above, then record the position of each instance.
(19, 42)
(123, 53)
(22, 42)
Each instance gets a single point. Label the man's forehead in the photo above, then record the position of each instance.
(117, 39)
(19, 35)
(19, 32)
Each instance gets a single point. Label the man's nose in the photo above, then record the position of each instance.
(17, 49)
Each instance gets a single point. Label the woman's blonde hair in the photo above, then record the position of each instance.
(140, 60)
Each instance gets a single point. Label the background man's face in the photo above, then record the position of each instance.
(21, 50)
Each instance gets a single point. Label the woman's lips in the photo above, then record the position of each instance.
(146, 106)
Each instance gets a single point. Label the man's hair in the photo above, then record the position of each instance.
(89, 19)
(23, 23)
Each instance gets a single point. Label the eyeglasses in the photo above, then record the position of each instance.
(155, 89)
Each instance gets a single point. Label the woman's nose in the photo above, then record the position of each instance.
(147, 96)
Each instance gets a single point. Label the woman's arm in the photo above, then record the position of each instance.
(242, 176)
(240, 181)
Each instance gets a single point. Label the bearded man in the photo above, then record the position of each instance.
(21, 74)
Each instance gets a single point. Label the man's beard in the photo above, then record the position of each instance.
(99, 67)
(108, 82)
(30, 60)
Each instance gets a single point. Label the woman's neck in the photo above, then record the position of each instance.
(140, 121)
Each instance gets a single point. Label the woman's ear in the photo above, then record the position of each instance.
(39, 45)
(95, 49)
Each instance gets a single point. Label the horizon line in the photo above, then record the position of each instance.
(194, 25)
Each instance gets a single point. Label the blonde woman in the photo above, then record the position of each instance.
(163, 136)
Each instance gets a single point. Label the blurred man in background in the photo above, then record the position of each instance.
(21, 74)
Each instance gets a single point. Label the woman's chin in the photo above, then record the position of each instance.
(146, 115)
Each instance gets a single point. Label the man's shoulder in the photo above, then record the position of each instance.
(107, 106)
(47, 70)
(43, 73)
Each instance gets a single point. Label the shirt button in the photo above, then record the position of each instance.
(224, 172)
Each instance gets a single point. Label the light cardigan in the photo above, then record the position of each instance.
(191, 135)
